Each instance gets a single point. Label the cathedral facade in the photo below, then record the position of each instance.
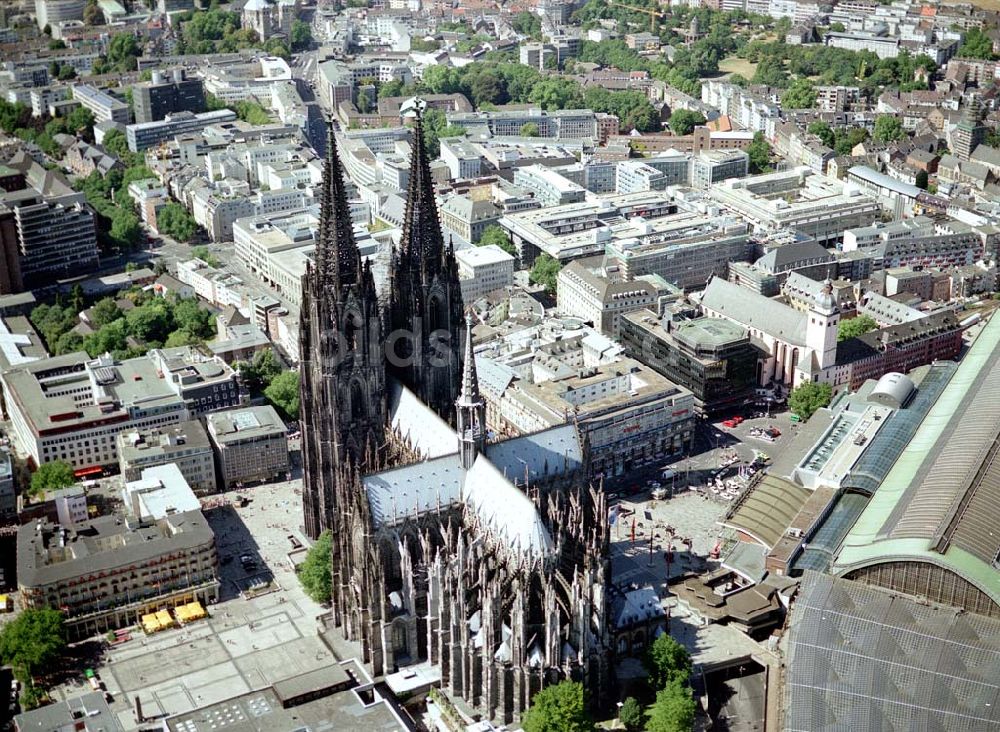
(488, 560)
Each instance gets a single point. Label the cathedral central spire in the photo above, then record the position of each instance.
(470, 409)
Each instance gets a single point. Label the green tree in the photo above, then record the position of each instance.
(495, 234)
(760, 154)
(888, 128)
(392, 88)
(922, 181)
(190, 316)
(126, 230)
(837, 27)
(151, 322)
(103, 312)
(666, 661)
(683, 121)
(174, 221)
(823, 131)
(301, 36)
(92, 14)
(252, 113)
(123, 50)
(112, 338)
(261, 371)
(976, 44)
(631, 715)
(800, 95)
(69, 342)
(52, 476)
(181, 337)
(202, 253)
(807, 398)
(314, 572)
(33, 641)
(853, 327)
(545, 271)
(57, 45)
(529, 129)
(364, 101)
(76, 298)
(554, 92)
(283, 393)
(673, 710)
(559, 708)
(528, 24)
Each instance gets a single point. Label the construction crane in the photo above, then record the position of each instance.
(653, 14)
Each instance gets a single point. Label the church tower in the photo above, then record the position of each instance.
(425, 309)
(821, 327)
(342, 372)
(470, 409)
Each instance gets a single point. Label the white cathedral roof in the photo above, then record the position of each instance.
(505, 509)
(489, 488)
(430, 435)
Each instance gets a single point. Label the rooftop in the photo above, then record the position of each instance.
(938, 502)
(237, 425)
(160, 492)
(49, 554)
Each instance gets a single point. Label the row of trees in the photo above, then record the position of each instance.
(154, 322)
(220, 31)
(563, 706)
(494, 83)
(16, 119)
(782, 65)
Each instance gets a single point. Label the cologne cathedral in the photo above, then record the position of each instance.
(487, 559)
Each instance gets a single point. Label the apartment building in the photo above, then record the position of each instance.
(559, 124)
(468, 217)
(184, 444)
(250, 445)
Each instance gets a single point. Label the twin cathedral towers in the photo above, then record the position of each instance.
(350, 343)
(488, 560)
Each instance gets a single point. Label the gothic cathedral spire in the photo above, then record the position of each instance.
(425, 308)
(342, 385)
(470, 409)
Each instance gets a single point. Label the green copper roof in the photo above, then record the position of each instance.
(906, 514)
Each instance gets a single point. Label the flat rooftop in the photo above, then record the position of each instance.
(235, 425)
(261, 711)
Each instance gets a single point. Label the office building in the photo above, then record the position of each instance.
(711, 357)
(548, 186)
(560, 124)
(52, 12)
(72, 407)
(102, 105)
(713, 166)
(468, 217)
(55, 239)
(8, 489)
(635, 176)
(484, 269)
(628, 412)
(250, 445)
(144, 135)
(107, 572)
(587, 292)
(462, 158)
(184, 444)
(167, 93)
